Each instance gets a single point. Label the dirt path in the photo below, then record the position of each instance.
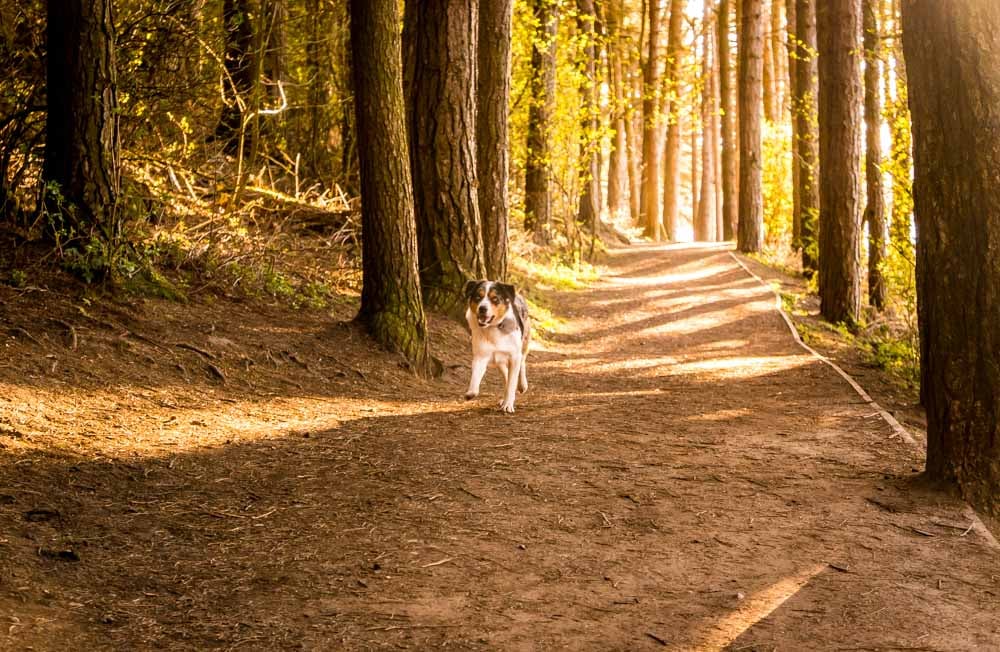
(680, 475)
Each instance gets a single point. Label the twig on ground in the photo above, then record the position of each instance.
(438, 563)
(656, 638)
(464, 490)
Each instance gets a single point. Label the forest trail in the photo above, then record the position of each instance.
(681, 474)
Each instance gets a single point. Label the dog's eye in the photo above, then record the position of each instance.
(495, 300)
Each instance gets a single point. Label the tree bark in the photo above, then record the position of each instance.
(492, 137)
(537, 198)
(875, 207)
(953, 62)
(650, 189)
(807, 132)
(81, 162)
(729, 136)
(840, 97)
(391, 307)
(750, 236)
(442, 120)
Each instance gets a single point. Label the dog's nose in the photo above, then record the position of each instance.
(482, 310)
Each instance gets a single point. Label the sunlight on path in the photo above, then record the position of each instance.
(756, 608)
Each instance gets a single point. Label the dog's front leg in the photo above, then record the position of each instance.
(513, 375)
(479, 365)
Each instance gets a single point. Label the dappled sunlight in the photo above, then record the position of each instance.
(63, 421)
(673, 278)
(753, 610)
(719, 368)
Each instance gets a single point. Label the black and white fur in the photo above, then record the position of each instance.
(501, 333)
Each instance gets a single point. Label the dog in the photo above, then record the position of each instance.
(501, 332)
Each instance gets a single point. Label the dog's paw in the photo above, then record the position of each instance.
(522, 387)
(471, 395)
(507, 408)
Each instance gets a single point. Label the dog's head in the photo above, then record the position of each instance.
(489, 301)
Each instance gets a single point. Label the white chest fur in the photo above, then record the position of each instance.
(497, 342)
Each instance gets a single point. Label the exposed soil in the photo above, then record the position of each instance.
(680, 474)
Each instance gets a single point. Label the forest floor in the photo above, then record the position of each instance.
(228, 475)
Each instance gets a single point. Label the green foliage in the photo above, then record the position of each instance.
(570, 141)
(776, 178)
(558, 272)
(17, 278)
(896, 353)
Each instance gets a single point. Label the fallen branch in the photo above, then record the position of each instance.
(72, 332)
(192, 347)
(17, 330)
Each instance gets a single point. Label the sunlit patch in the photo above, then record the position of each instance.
(720, 415)
(753, 610)
(742, 367)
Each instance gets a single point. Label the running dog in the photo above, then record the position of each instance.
(501, 332)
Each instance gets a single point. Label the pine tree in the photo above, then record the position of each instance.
(953, 63)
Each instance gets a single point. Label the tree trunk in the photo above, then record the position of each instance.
(807, 132)
(442, 120)
(875, 207)
(617, 192)
(953, 62)
(239, 78)
(391, 305)
(492, 137)
(717, 136)
(650, 190)
(779, 45)
(348, 165)
(750, 236)
(672, 153)
(729, 136)
(274, 47)
(633, 134)
(81, 162)
(840, 96)
(537, 198)
(768, 71)
(319, 66)
(899, 127)
(790, 51)
(590, 144)
(704, 223)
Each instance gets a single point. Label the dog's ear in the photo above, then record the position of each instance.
(507, 291)
(470, 288)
